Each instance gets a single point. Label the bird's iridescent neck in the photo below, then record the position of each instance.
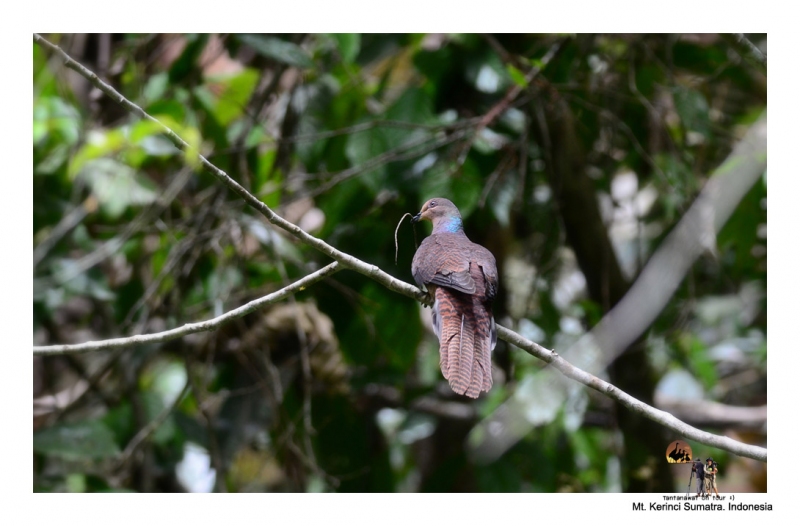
(450, 225)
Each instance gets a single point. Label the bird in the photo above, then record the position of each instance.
(461, 278)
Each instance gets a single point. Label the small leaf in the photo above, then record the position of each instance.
(183, 66)
(144, 128)
(361, 148)
(173, 109)
(692, 108)
(58, 118)
(53, 161)
(235, 92)
(517, 76)
(76, 483)
(349, 45)
(192, 154)
(156, 87)
(88, 439)
(466, 188)
(39, 122)
(157, 146)
(537, 63)
(277, 49)
(116, 185)
(99, 144)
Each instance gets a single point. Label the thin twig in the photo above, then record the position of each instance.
(512, 93)
(396, 248)
(112, 246)
(364, 126)
(400, 153)
(345, 260)
(625, 129)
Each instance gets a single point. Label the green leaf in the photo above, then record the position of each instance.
(467, 188)
(76, 483)
(500, 476)
(277, 49)
(171, 108)
(192, 155)
(362, 147)
(517, 76)
(117, 186)
(156, 87)
(414, 105)
(83, 440)
(183, 66)
(99, 144)
(692, 108)
(537, 63)
(53, 116)
(156, 146)
(268, 183)
(40, 126)
(463, 188)
(349, 45)
(143, 129)
(435, 184)
(235, 93)
(399, 334)
(121, 423)
(53, 161)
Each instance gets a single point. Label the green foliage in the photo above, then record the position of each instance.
(116, 186)
(349, 45)
(89, 439)
(692, 108)
(278, 49)
(342, 134)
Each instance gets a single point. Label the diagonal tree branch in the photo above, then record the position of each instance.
(601, 386)
(344, 260)
(189, 328)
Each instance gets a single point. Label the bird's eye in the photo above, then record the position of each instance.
(432, 204)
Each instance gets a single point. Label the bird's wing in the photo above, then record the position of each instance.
(443, 261)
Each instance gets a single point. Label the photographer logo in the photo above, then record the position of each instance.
(679, 452)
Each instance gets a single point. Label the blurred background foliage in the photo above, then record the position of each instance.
(549, 144)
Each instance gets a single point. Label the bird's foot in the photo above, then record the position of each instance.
(427, 301)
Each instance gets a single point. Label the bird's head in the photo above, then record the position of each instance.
(442, 213)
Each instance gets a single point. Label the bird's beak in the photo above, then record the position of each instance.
(416, 218)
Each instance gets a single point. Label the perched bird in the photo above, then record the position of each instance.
(461, 277)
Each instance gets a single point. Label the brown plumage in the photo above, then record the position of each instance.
(461, 277)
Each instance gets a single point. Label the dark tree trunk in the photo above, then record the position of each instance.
(576, 201)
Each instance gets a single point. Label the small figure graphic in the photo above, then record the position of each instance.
(699, 472)
(710, 470)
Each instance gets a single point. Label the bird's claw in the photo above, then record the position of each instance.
(427, 301)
